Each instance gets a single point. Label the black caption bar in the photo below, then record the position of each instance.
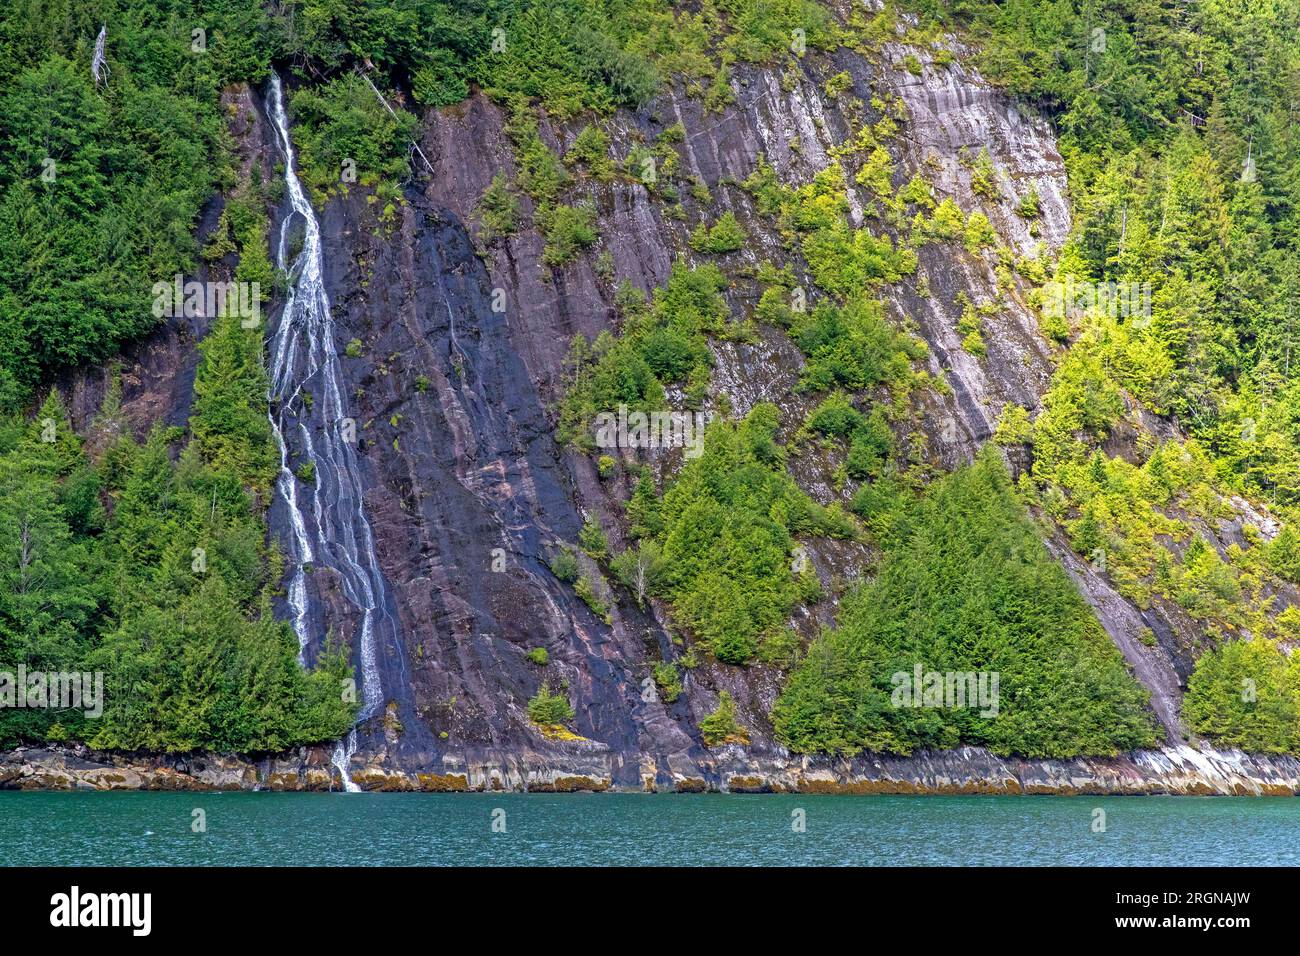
(146, 906)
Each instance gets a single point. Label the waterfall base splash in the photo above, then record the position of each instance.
(342, 756)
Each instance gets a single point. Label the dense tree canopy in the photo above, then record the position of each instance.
(968, 589)
(167, 590)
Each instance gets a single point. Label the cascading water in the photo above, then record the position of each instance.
(304, 359)
(343, 752)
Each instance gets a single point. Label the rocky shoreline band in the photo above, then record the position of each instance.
(1180, 770)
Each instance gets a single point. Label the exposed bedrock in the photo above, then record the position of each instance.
(968, 770)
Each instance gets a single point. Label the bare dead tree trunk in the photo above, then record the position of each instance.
(642, 568)
(25, 555)
(414, 146)
(99, 63)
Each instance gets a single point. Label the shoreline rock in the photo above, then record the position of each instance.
(1175, 771)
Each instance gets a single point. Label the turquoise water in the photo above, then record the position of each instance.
(672, 829)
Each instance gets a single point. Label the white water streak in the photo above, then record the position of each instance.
(342, 757)
(303, 352)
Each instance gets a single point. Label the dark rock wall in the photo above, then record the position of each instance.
(484, 478)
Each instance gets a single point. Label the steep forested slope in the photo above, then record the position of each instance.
(840, 235)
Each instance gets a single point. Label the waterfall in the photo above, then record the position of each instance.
(342, 756)
(327, 521)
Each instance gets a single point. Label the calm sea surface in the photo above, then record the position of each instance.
(244, 829)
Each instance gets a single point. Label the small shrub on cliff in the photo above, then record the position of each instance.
(979, 233)
(1014, 428)
(564, 565)
(984, 177)
(569, 230)
(587, 589)
(640, 569)
(774, 307)
(498, 209)
(721, 726)
(970, 329)
(946, 223)
(547, 709)
(837, 84)
(847, 262)
(835, 416)
(541, 174)
(643, 508)
(591, 149)
(869, 446)
(669, 681)
(853, 348)
(592, 539)
(1028, 207)
(725, 235)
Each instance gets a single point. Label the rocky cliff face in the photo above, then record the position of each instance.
(469, 465)
(474, 466)
(467, 491)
